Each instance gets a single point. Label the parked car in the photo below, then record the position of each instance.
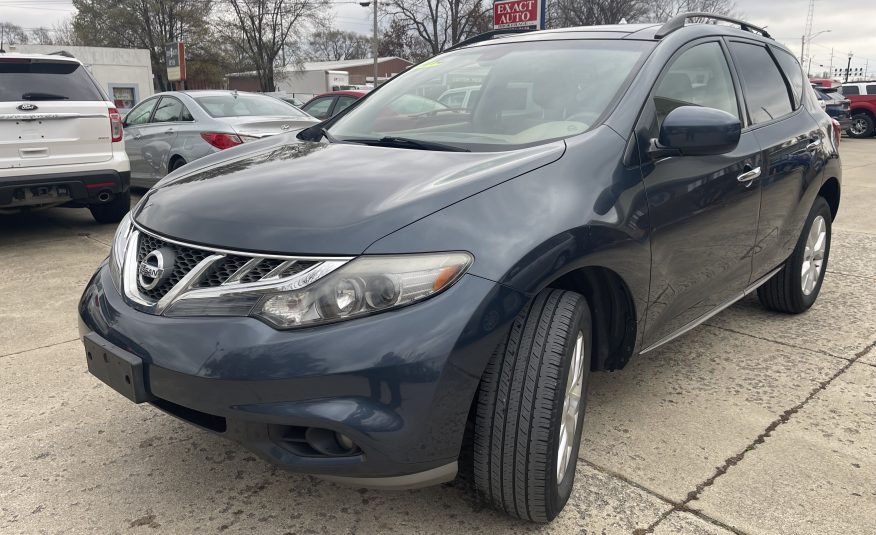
(836, 105)
(329, 104)
(60, 139)
(387, 308)
(862, 96)
(171, 129)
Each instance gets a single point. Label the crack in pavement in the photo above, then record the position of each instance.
(760, 439)
(676, 506)
(781, 343)
(36, 348)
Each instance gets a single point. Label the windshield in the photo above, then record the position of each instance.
(498, 97)
(245, 105)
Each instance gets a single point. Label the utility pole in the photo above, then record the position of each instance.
(375, 44)
(802, 50)
(830, 71)
(849, 66)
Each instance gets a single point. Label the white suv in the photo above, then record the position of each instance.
(60, 139)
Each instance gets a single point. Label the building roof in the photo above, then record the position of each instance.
(328, 65)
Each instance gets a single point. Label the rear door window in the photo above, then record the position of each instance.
(765, 91)
(793, 73)
(343, 103)
(319, 108)
(170, 110)
(871, 89)
(34, 81)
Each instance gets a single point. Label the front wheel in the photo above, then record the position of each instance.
(530, 408)
(862, 126)
(795, 288)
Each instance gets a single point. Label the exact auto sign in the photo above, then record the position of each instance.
(518, 14)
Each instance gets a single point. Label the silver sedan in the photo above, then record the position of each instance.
(171, 129)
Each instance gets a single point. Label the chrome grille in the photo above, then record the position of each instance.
(204, 272)
(186, 259)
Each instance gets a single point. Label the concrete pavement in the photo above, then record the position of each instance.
(754, 423)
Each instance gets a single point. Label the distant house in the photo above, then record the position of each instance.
(319, 76)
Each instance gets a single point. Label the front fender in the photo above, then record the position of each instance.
(584, 209)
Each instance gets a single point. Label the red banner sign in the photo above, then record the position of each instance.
(517, 14)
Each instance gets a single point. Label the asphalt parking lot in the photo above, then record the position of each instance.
(754, 423)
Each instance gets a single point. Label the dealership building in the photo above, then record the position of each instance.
(125, 74)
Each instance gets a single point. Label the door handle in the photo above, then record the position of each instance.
(748, 176)
(814, 145)
(169, 131)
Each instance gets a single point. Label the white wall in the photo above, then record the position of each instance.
(122, 67)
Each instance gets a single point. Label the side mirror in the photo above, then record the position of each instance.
(696, 131)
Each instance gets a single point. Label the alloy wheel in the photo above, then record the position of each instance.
(571, 407)
(813, 255)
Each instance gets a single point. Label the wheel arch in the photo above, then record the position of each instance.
(830, 190)
(612, 310)
(173, 158)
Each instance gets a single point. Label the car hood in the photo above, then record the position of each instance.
(282, 195)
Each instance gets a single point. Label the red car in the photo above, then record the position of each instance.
(328, 104)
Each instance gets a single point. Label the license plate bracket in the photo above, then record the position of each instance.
(119, 369)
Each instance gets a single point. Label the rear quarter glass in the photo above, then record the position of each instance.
(46, 81)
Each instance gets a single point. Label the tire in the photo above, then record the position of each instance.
(785, 291)
(862, 126)
(520, 404)
(112, 211)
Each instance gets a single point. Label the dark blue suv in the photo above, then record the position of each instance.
(421, 286)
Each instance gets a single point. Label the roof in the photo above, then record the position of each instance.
(44, 57)
(328, 65)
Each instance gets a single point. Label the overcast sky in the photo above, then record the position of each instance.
(852, 23)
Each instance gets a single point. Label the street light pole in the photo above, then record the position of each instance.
(849, 66)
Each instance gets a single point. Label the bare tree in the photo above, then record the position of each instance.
(594, 12)
(440, 23)
(266, 26)
(11, 34)
(146, 24)
(41, 36)
(661, 10)
(328, 45)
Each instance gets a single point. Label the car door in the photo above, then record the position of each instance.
(157, 136)
(791, 140)
(320, 107)
(136, 119)
(703, 209)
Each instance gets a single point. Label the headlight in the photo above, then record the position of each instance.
(367, 285)
(117, 251)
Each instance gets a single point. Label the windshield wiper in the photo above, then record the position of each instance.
(43, 96)
(406, 142)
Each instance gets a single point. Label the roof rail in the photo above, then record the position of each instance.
(677, 23)
(486, 36)
(62, 53)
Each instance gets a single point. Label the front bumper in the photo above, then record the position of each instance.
(399, 384)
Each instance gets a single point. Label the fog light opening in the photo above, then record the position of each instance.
(330, 443)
